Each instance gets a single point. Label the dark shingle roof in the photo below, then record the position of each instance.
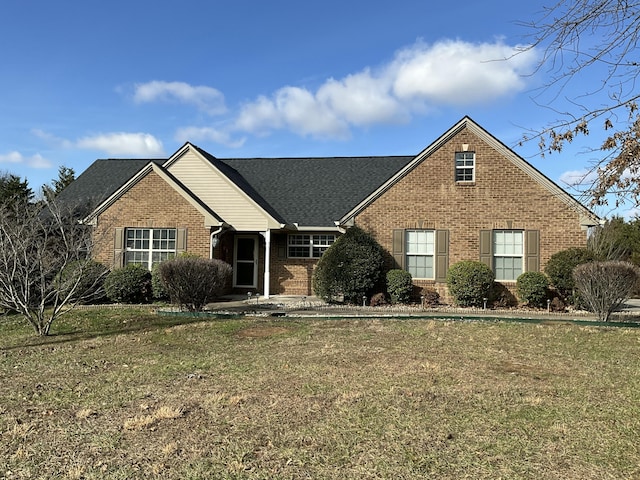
(307, 191)
(101, 180)
(316, 191)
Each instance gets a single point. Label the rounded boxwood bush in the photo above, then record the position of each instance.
(533, 288)
(130, 284)
(399, 285)
(470, 283)
(352, 267)
(560, 268)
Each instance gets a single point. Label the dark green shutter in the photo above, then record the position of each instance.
(442, 255)
(181, 240)
(397, 249)
(486, 247)
(119, 248)
(532, 245)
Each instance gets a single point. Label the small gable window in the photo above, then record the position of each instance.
(465, 166)
(309, 246)
(148, 246)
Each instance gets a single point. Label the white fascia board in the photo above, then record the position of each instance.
(316, 229)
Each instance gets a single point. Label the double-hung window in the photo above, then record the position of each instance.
(508, 254)
(309, 246)
(148, 246)
(419, 251)
(465, 166)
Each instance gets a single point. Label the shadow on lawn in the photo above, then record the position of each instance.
(85, 328)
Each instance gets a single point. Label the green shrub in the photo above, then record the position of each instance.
(192, 282)
(130, 284)
(533, 288)
(84, 280)
(352, 267)
(399, 285)
(604, 286)
(157, 287)
(560, 268)
(470, 283)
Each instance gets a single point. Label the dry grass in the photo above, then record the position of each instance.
(128, 395)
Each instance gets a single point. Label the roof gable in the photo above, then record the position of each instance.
(587, 218)
(210, 217)
(222, 189)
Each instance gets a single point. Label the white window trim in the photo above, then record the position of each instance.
(508, 255)
(431, 254)
(149, 250)
(465, 167)
(313, 243)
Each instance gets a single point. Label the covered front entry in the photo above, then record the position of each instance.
(245, 261)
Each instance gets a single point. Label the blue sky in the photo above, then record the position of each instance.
(83, 80)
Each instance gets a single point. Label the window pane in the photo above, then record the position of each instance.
(299, 240)
(420, 266)
(508, 268)
(137, 257)
(309, 246)
(420, 242)
(299, 252)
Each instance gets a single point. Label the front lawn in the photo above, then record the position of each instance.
(127, 394)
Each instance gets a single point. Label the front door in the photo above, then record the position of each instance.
(245, 261)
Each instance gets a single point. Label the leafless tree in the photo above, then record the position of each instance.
(604, 286)
(44, 261)
(598, 38)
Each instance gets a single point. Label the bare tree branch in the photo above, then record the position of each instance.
(44, 262)
(599, 37)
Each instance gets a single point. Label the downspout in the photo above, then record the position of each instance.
(211, 247)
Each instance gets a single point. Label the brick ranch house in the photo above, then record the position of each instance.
(464, 197)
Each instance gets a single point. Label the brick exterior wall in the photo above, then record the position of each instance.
(502, 197)
(150, 203)
(289, 276)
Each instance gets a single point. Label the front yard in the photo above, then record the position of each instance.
(127, 394)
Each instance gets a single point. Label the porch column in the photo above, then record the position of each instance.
(267, 260)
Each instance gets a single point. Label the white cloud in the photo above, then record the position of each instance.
(417, 79)
(194, 134)
(124, 144)
(34, 161)
(459, 73)
(206, 99)
(362, 99)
